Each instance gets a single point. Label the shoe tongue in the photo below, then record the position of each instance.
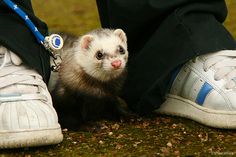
(9, 58)
(5, 60)
(225, 54)
(3, 50)
(205, 57)
(214, 58)
(15, 59)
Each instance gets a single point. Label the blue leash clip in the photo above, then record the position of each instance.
(52, 43)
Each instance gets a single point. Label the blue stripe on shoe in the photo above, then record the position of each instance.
(206, 88)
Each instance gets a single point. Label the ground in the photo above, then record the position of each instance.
(149, 136)
(156, 135)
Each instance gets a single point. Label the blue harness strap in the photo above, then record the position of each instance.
(52, 43)
(24, 16)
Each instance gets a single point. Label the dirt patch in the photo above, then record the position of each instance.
(148, 136)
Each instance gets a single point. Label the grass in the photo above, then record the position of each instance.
(80, 16)
(230, 22)
(141, 137)
(73, 16)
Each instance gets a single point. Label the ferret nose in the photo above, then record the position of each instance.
(116, 64)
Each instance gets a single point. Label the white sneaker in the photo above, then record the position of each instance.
(27, 117)
(204, 90)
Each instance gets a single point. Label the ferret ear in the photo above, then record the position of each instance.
(86, 41)
(121, 34)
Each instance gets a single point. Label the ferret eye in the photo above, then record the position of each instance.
(99, 55)
(121, 50)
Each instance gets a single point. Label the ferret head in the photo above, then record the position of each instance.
(103, 54)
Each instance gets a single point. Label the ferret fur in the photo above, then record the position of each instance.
(87, 88)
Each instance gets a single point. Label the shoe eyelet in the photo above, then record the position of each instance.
(215, 79)
(227, 89)
(205, 70)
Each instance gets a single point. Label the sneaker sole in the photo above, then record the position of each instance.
(30, 138)
(178, 106)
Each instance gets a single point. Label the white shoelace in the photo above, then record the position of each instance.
(224, 63)
(12, 75)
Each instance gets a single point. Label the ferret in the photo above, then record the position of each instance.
(90, 78)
